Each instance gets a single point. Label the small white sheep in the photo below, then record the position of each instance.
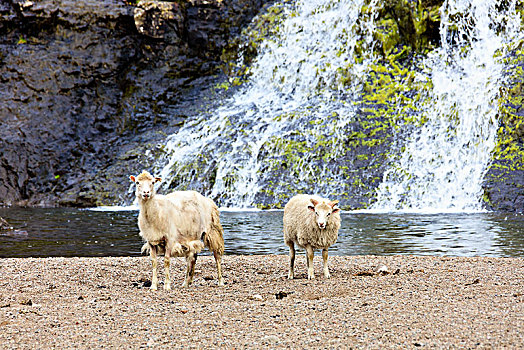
(311, 222)
(175, 225)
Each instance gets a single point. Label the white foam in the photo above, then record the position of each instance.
(115, 208)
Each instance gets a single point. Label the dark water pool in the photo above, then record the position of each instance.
(73, 232)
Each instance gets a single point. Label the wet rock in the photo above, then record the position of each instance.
(503, 189)
(160, 20)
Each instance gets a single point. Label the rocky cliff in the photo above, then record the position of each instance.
(86, 84)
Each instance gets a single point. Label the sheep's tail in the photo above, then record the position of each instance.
(214, 239)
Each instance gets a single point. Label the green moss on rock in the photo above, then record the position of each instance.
(503, 182)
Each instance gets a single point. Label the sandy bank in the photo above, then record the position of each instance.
(422, 302)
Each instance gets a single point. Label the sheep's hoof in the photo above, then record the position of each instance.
(167, 287)
(290, 277)
(153, 287)
(327, 275)
(221, 282)
(310, 277)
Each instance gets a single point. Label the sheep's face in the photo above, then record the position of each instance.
(145, 185)
(323, 211)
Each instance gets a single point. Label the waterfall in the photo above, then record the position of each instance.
(444, 162)
(283, 131)
(292, 98)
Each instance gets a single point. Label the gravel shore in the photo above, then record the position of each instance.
(428, 302)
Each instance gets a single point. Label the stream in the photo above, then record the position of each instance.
(70, 232)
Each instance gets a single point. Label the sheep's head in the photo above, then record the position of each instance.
(145, 185)
(323, 211)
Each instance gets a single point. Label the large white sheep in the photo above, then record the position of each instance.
(176, 225)
(312, 223)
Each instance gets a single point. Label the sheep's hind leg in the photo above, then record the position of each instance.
(218, 260)
(191, 262)
(310, 253)
(154, 262)
(325, 258)
(291, 274)
(167, 264)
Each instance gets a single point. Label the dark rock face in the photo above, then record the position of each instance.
(505, 190)
(61, 96)
(82, 79)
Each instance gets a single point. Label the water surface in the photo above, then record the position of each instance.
(73, 232)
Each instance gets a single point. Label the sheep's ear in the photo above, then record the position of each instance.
(158, 179)
(334, 206)
(310, 207)
(333, 203)
(132, 178)
(314, 201)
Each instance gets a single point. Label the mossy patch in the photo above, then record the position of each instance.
(509, 151)
(506, 171)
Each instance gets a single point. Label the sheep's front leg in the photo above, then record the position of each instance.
(167, 264)
(325, 258)
(291, 274)
(154, 262)
(310, 253)
(191, 262)
(218, 260)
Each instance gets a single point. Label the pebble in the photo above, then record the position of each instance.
(383, 269)
(257, 297)
(272, 339)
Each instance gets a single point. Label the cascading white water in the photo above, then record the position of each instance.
(298, 95)
(444, 162)
(295, 80)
